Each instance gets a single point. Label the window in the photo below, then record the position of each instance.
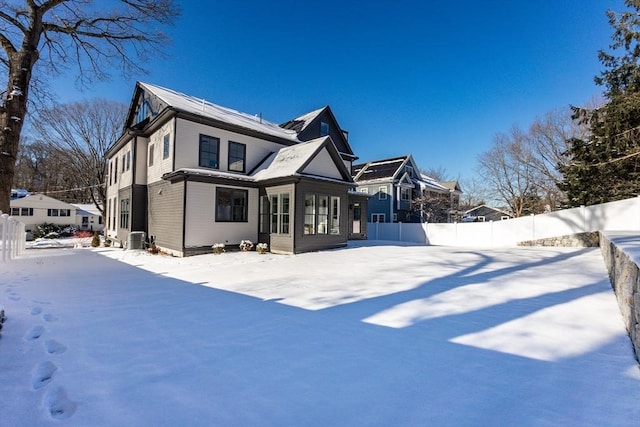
(309, 214)
(128, 160)
(124, 213)
(265, 214)
(503, 217)
(26, 211)
(123, 162)
(100, 220)
(409, 170)
(405, 194)
(110, 172)
(382, 193)
(237, 154)
(209, 151)
(85, 221)
(321, 214)
(395, 217)
(335, 215)
(115, 172)
(377, 217)
(108, 212)
(481, 219)
(58, 212)
(324, 129)
(15, 211)
(364, 190)
(165, 146)
(151, 148)
(231, 205)
(280, 213)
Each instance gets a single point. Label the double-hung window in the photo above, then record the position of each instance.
(209, 150)
(382, 193)
(166, 141)
(124, 213)
(237, 153)
(279, 212)
(310, 214)
(321, 214)
(405, 194)
(231, 205)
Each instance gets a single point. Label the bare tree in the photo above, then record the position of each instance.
(508, 169)
(84, 131)
(95, 37)
(439, 173)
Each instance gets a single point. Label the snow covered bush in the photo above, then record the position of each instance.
(262, 248)
(218, 248)
(246, 245)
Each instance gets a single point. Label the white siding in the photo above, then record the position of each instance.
(40, 205)
(188, 145)
(323, 165)
(160, 164)
(201, 228)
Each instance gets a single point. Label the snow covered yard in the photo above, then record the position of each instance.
(372, 335)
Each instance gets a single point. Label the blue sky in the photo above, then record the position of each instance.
(434, 79)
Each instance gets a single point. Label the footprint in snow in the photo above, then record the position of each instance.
(42, 374)
(58, 405)
(49, 318)
(14, 297)
(36, 310)
(34, 333)
(54, 347)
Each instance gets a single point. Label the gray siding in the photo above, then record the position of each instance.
(306, 243)
(166, 214)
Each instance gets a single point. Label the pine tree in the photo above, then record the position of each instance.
(606, 165)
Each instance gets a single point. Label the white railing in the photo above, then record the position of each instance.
(12, 237)
(623, 215)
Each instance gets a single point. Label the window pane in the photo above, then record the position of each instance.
(335, 215)
(231, 205)
(323, 214)
(309, 214)
(209, 151)
(284, 208)
(165, 146)
(151, 155)
(236, 156)
(274, 214)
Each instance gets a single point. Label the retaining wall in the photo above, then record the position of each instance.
(621, 253)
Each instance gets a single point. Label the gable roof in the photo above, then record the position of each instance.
(201, 107)
(485, 207)
(379, 169)
(451, 185)
(161, 100)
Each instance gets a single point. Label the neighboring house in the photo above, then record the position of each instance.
(88, 217)
(484, 213)
(455, 191)
(191, 174)
(36, 209)
(400, 193)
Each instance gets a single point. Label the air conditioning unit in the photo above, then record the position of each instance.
(135, 240)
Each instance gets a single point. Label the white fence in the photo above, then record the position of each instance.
(623, 215)
(12, 237)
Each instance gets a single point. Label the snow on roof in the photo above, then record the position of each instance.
(86, 209)
(306, 119)
(427, 181)
(202, 107)
(289, 160)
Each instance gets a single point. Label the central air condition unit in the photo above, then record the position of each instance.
(135, 240)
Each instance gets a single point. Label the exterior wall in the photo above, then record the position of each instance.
(624, 272)
(284, 243)
(140, 166)
(188, 145)
(201, 228)
(93, 223)
(40, 205)
(323, 165)
(304, 242)
(165, 215)
(160, 165)
(377, 206)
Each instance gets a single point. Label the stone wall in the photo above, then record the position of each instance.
(580, 240)
(625, 280)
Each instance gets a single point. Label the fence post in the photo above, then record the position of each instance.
(4, 219)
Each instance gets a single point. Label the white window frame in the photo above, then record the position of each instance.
(376, 217)
(383, 193)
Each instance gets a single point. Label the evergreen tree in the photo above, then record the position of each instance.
(605, 166)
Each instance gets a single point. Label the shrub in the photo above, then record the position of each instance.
(83, 234)
(52, 231)
(262, 248)
(218, 248)
(246, 245)
(95, 242)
